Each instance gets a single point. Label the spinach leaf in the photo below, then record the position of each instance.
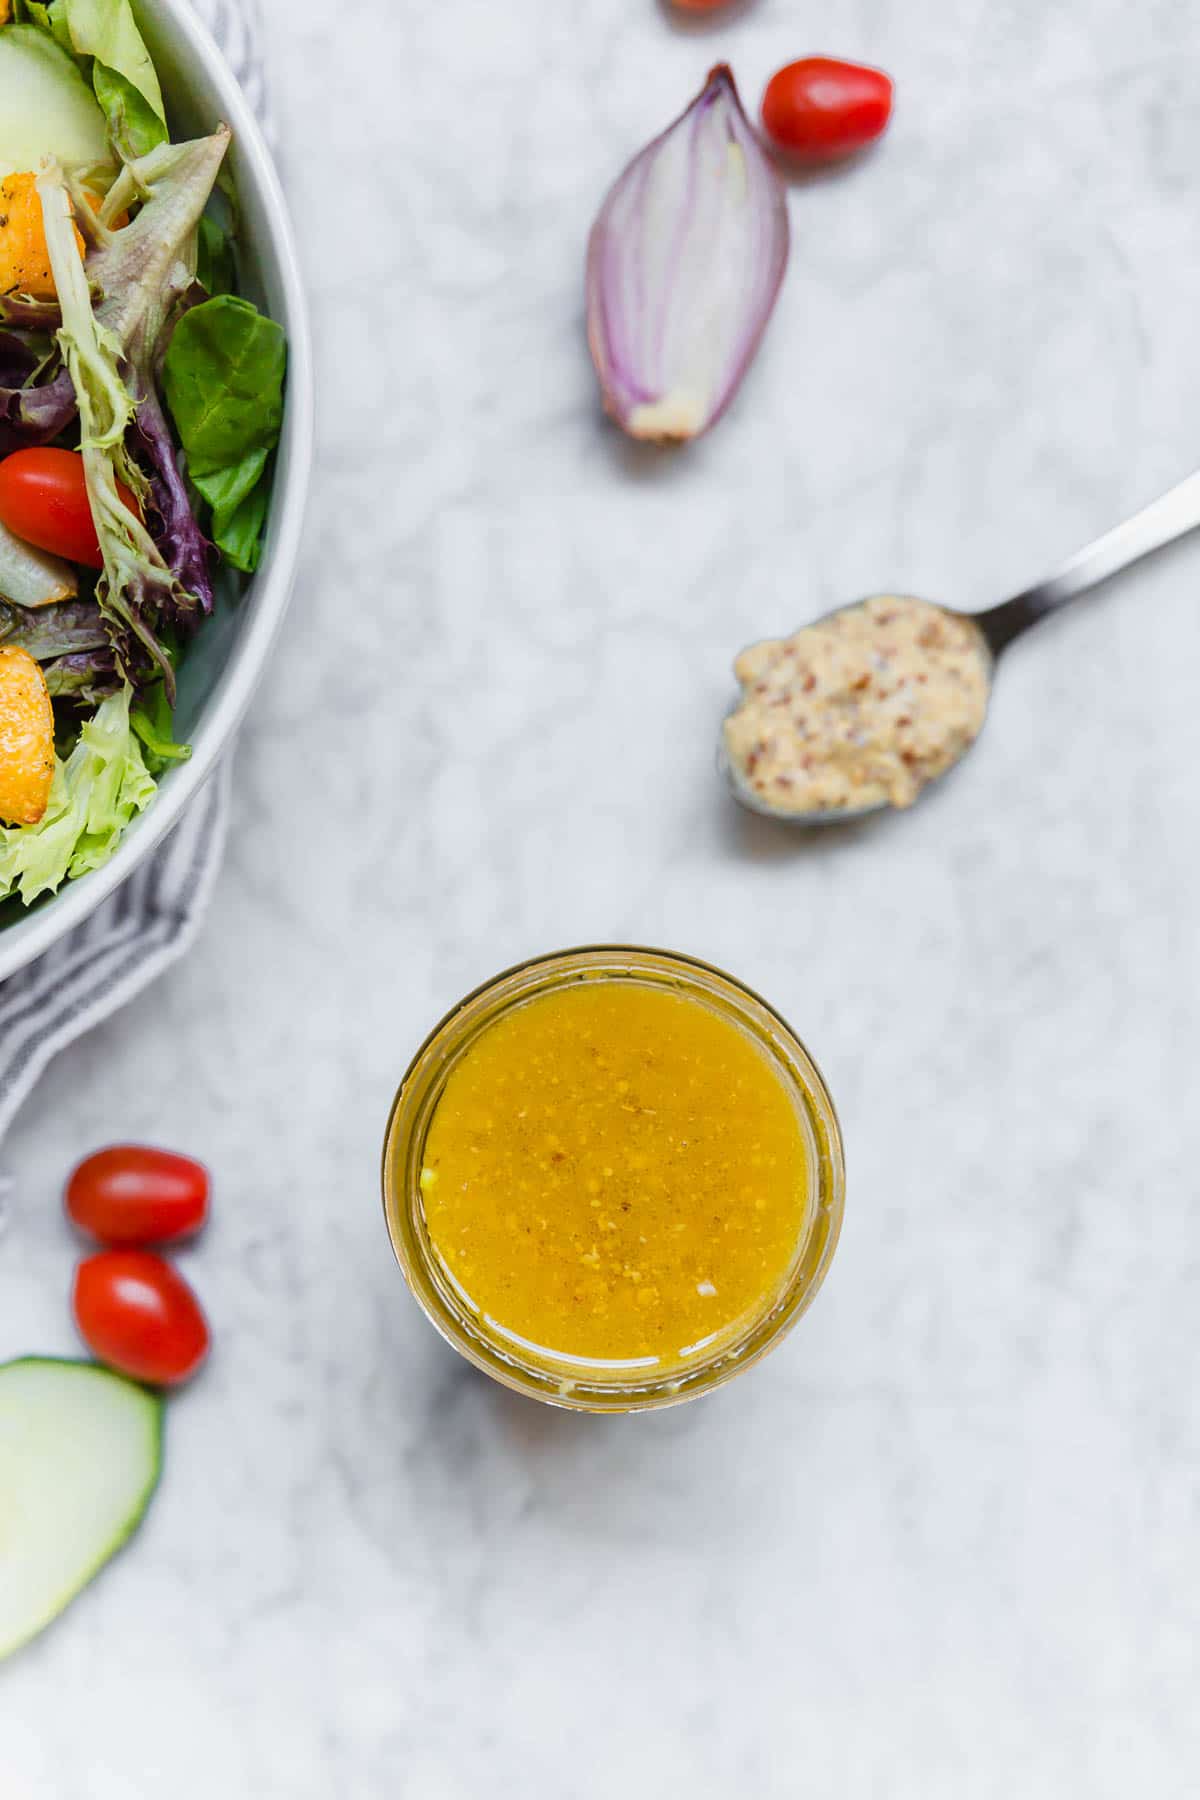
(223, 381)
(223, 373)
(240, 529)
(123, 76)
(238, 497)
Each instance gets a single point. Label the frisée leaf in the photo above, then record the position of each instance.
(144, 272)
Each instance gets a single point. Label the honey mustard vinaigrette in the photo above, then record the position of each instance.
(613, 1178)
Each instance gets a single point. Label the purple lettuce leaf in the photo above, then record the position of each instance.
(64, 628)
(18, 359)
(169, 517)
(85, 676)
(30, 414)
(28, 314)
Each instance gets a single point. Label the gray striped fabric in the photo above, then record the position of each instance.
(153, 917)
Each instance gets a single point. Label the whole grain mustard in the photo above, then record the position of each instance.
(862, 709)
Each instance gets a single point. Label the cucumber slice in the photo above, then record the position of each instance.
(46, 107)
(80, 1454)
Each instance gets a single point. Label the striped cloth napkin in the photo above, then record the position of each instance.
(153, 917)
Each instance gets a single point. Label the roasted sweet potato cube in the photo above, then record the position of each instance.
(26, 738)
(24, 258)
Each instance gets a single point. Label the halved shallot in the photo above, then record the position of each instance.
(684, 265)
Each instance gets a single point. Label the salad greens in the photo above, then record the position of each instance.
(214, 258)
(30, 413)
(106, 408)
(223, 379)
(103, 36)
(153, 721)
(48, 632)
(96, 792)
(109, 354)
(162, 385)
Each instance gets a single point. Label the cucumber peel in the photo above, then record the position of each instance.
(80, 1458)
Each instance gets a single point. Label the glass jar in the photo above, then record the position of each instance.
(563, 1381)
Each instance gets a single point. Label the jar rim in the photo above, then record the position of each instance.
(416, 1099)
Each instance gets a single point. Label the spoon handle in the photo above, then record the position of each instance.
(1164, 520)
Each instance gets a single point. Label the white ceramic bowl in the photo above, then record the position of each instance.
(225, 660)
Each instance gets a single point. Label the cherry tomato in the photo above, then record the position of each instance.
(135, 1313)
(699, 5)
(820, 109)
(132, 1194)
(44, 499)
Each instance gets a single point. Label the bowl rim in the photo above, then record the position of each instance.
(28, 938)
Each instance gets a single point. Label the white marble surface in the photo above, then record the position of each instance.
(946, 1542)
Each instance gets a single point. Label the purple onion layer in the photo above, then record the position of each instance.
(685, 263)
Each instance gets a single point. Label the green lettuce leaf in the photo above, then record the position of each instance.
(134, 125)
(214, 258)
(104, 34)
(32, 12)
(153, 719)
(223, 381)
(94, 795)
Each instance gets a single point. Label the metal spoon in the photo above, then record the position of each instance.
(1160, 523)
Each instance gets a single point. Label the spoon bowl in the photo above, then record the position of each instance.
(1174, 514)
(872, 711)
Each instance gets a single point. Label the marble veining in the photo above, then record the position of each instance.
(946, 1542)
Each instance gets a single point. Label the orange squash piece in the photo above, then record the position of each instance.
(24, 258)
(26, 738)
